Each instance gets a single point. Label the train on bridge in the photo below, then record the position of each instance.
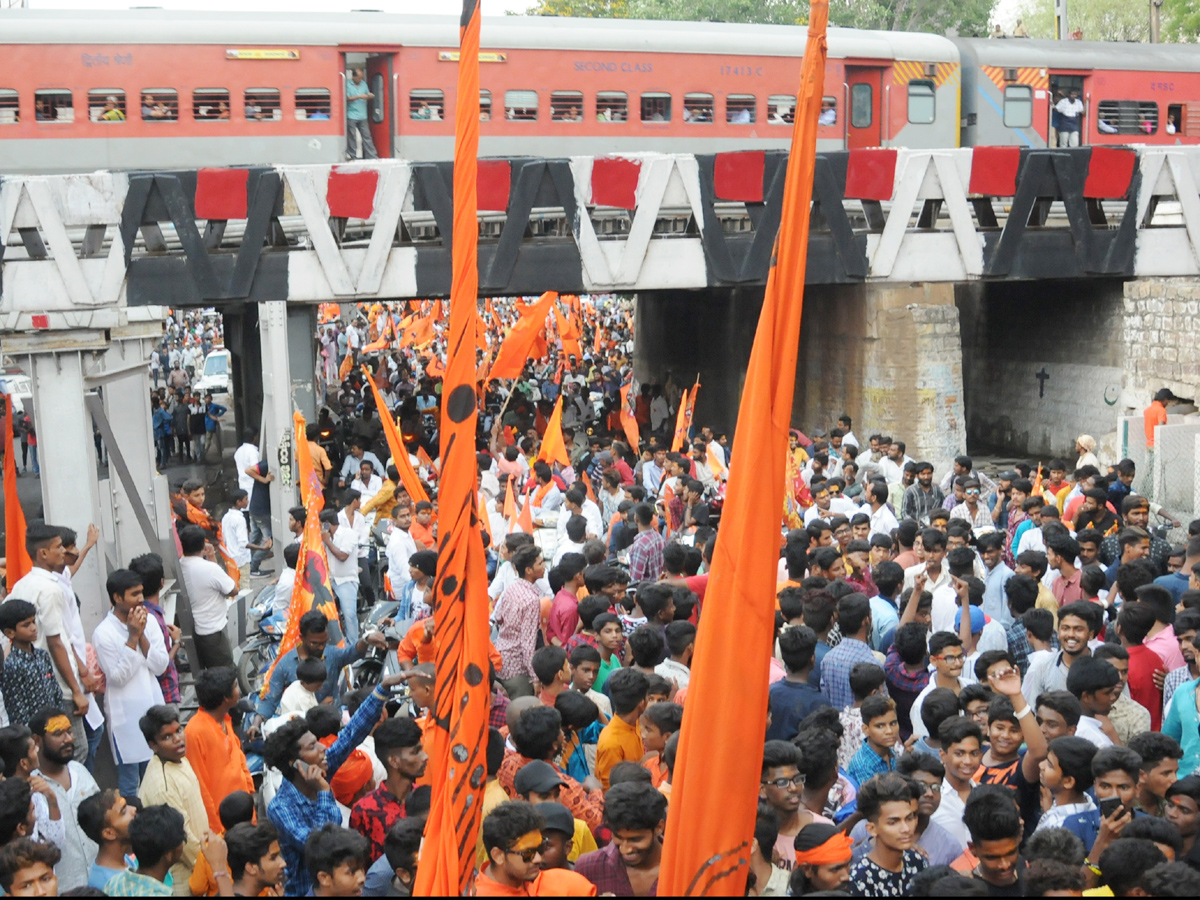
(145, 88)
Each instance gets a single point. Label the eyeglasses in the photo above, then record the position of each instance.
(783, 784)
(972, 493)
(930, 788)
(527, 855)
(957, 658)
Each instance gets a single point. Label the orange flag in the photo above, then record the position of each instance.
(628, 422)
(707, 844)
(510, 502)
(17, 557)
(681, 423)
(457, 738)
(423, 459)
(514, 352)
(408, 476)
(525, 519)
(312, 587)
(691, 404)
(346, 366)
(590, 491)
(568, 334)
(554, 446)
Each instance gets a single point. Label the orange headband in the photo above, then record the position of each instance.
(833, 851)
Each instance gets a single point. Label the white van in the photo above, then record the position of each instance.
(215, 374)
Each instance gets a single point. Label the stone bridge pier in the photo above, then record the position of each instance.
(889, 355)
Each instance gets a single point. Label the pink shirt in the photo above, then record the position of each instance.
(564, 616)
(1167, 646)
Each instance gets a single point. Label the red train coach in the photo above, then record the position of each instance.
(151, 88)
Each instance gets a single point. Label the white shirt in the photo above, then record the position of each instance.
(949, 814)
(236, 536)
(78, 850)
(918, 726)
(658, 412)
(367, 489)
(883, 521)
(910, 576)
(563, 549)
(1032, 539)
(945, 605)
(506, 575)
(1069, 108)
(73, 628)
(132, 679)
(282, 601)
(400, 547)
(674, 671)
(346, 540)
(1089, 729)
(208, 587)
(244, 457)
(591, 514)
(361, 529)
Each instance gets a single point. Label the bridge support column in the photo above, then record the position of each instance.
(680, 333)
(287, 357)
(890, 356)
(65, 369)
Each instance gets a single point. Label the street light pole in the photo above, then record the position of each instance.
(1155, 23)
(1061, 31)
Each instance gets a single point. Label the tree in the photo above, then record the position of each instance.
(768, 12)
(1180, 20)
(967, 18)
(1100, 20)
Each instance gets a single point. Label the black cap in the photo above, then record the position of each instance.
(538, 776)
(557, 817)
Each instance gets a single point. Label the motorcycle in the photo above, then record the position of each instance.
(253, 657)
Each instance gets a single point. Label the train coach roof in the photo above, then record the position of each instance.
(1017, 53)
(150, 26)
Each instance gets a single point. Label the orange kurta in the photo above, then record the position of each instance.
(218, 761)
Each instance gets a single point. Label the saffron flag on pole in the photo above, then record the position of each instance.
(691, 404)
(17, 559)
(408, 475)
(554, 445)
(707, 846)
(312, 588)
(681, 423)
(514, 351)
(629, 423)
(525, 519)
(457, 738)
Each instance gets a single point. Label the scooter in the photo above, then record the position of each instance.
(253, 657)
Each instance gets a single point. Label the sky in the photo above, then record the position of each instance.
(447, 7)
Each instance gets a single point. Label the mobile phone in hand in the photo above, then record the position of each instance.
(1108, 806)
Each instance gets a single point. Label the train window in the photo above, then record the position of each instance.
(1174, 118)
(521, 106)
(828, 114)
(54, 106)
(566, 106)
(698, 108)
(1127, 117)
(656, 107)
(781, 109)
(262, 105)
(485, 106)
(861, 102)
(10, 107)
(612, 106)
(160, 105)
(210, 105)
(922, 104)
(1018, 106)
(312, 103)
(106, 105)
(740, 109)
(426, 105)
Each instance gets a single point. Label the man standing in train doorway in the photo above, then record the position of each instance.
(357, 96)
(1070, 113)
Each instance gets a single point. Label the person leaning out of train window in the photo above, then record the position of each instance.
(1070, 117)
(112, 113)
(828, 113)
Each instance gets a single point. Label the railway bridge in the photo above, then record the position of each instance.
(949, 291)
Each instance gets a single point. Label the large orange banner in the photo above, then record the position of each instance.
(707, 845)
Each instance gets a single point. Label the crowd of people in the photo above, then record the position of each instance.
(982, 683)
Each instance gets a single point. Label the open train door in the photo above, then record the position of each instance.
(864, 101)
(381, 110)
